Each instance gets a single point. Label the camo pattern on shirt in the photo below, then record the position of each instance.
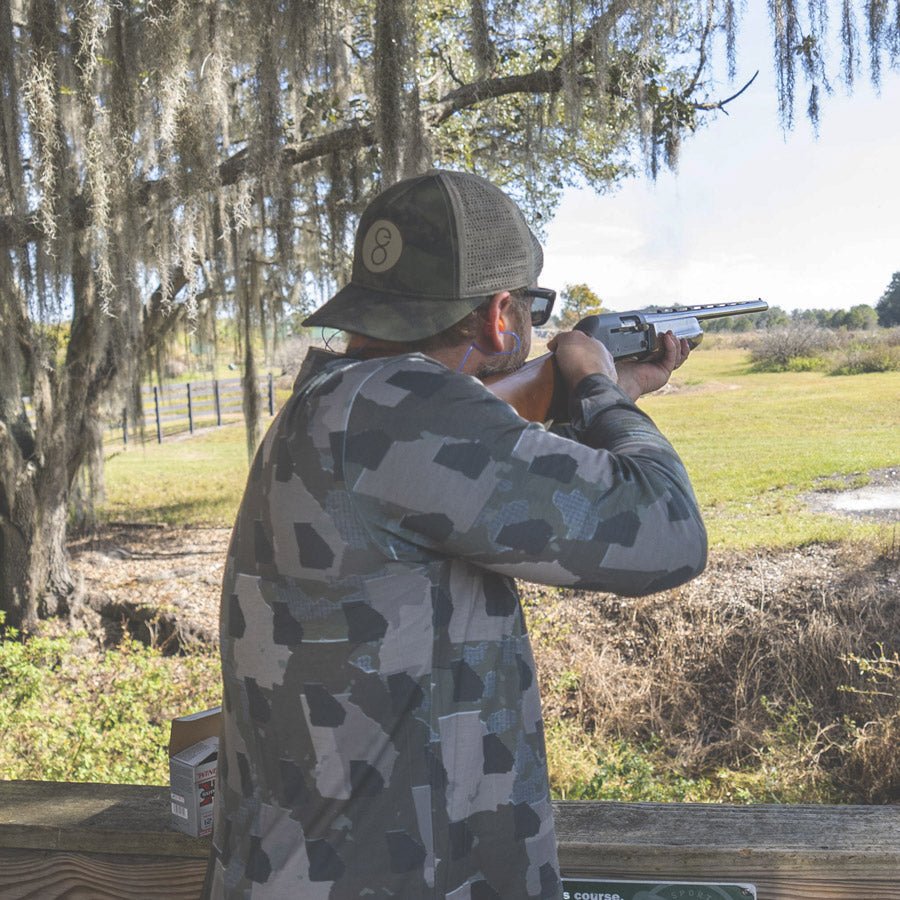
(382, 724)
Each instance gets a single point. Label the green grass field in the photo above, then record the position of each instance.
(753, 444)
(186, 480)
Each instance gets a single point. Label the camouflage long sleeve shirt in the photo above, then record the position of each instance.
(382, 724)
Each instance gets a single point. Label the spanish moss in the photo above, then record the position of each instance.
(169, 165)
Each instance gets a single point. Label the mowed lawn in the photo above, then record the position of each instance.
(195, 480)
(753, 443)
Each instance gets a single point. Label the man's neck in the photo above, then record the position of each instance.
(363, 347)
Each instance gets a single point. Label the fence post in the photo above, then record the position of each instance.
(125, 426)
(218, 403)
(156, 407)
(271, 395)
(190, 410)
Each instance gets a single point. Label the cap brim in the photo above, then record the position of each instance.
(390, 317)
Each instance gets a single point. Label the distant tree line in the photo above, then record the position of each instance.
(858, 318)
(861, 317)
(889, 305)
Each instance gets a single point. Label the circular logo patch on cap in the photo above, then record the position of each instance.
(382, 246)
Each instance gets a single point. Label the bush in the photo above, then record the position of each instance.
(872, 733)
(633, 774)
(291, 352)
(175, 368)
(807, 348)
(875, 355)
(71, 712)
(796, 348)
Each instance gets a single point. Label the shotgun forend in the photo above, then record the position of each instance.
(635, 334)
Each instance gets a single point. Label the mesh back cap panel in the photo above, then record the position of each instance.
(497, 249)
(428, 251)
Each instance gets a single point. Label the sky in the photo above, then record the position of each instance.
(751, 212)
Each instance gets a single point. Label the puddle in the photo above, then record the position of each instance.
(878, 500)
(867, 500)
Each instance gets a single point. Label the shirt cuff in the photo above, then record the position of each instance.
(593, 397)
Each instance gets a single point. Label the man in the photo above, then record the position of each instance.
(382, 725)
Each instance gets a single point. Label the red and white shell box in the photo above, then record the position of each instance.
(193, 765)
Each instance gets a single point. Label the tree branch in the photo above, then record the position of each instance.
(16, 231)
(159, 316)
(701, 62)
(720, 104)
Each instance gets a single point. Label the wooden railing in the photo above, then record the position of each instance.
(175, 407)
(113, 842)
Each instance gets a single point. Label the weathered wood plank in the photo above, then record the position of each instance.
(98, 818)
(835, 829)
(114, 841)
(787, 852)
(37, 875)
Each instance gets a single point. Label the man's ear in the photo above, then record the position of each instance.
(495, 322)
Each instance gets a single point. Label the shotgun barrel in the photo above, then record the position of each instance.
(635, 334)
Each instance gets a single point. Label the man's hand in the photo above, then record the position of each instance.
(637, 378)
(579, 355)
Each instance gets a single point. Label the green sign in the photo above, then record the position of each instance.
(611, 889)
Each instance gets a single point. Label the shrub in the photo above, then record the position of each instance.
(807, 348)
(796, 348)
(175, 368)
(632, 774)
(804, 364)
(72, 712)
(770, 678)
(876, 355)
(872, 732)
(289, 354)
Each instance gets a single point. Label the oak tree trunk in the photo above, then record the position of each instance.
(41, 453)
(35, 578)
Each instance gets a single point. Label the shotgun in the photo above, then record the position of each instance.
(536, 390)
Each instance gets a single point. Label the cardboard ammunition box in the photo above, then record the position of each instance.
(193, 766)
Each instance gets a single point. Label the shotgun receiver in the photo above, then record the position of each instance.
(635, 334)
(536, 390)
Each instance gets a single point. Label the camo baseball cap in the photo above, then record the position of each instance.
(428, 251)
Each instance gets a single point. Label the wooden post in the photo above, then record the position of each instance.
(125, 426)
(158, 423)
(190, 410)
(271, 395)
(218, 402)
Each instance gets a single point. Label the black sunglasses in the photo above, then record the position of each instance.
(542, 300)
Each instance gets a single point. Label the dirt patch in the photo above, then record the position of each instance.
(686, 387)
(158, 584)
